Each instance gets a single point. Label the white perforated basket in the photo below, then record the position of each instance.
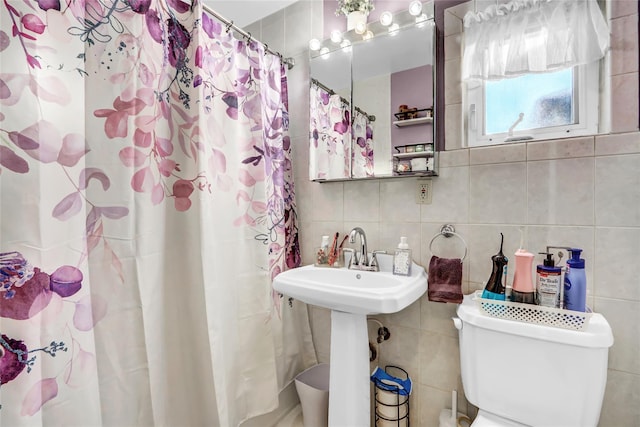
(529, 313)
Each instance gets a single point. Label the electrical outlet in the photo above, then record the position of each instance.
(424, 191)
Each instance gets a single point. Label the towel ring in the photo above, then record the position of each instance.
(448, 230)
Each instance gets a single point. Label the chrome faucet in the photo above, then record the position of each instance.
(361, 259)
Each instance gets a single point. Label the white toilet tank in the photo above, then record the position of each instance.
(533, 374)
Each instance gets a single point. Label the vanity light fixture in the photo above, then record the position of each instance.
(361, 27)
(324, 52)
(393, 30)
(415, 8)
(345, 44)
(386, 18)
(336, 36)
(315, 44)
(368, 35)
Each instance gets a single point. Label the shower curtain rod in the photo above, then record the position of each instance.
(369, 117)
(230, 25)
(327, 89)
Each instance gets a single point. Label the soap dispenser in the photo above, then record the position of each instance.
(549, 283)
(523, 290)
(495, 288)
(402, 258)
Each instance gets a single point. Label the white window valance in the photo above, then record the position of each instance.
(532, 36)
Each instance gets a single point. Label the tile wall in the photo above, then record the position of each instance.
(581, 192)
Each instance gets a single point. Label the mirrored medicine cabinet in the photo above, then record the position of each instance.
(372, 110)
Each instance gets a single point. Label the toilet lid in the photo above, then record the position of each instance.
(486, 419)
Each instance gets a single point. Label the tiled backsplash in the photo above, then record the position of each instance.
(582, 192)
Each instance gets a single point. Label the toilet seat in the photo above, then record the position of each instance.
(486, 419)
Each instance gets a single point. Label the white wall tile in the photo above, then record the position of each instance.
(561, 191)
(450, 197)
(560, 148)
(620, 143)
(624, 44)
(498, 193)
(617, 191)
(297, 29)
(398, 201)
(328, 202)
(439, 361)
(623, 317)
(362, 201)
(620, 407)
(453, 127)
(452, 88)
(452, 158)
(498, 154)
(624, 107)
(617, 266)
(390, 234)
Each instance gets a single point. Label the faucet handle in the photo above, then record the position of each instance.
(374, 259)
(352, 257)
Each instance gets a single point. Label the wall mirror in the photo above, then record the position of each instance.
(372, 102)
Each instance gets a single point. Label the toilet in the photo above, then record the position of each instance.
(525, 374)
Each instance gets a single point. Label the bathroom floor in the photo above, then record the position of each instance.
(292, 419)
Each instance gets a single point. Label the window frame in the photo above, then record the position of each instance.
(587, 104)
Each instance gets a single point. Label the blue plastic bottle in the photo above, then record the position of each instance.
(575, 283)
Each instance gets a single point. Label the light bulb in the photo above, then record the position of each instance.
(324, 52)
(314, 44)
(345, 44)
(393, 30)
(367, 36)
(336, 36)
(386, 18)
(361, 27)
(415, 8)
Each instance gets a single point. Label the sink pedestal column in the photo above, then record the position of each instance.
(349, 400)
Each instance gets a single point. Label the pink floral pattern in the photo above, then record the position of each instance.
(330, 135)
(160, 84)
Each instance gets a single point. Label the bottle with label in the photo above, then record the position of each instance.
(549, 283)
(495, 288)
(575, 283)
(402, 259)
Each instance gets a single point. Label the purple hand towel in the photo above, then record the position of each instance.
(445, 280)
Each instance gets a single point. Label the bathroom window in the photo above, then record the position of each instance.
(534, 106)
(531, 70)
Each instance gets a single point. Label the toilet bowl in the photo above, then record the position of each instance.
(525, 374)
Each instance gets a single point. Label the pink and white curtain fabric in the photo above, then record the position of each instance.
(330, 135)
(362, 145)
(146, 202)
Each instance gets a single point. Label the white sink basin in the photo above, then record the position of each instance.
(352, 295)
(354, 291)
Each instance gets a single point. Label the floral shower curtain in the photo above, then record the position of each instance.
(362, 144)
(330, 135)
(146, 202)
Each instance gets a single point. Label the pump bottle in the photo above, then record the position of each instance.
(495, 288)
(549, 283)
(575, 283)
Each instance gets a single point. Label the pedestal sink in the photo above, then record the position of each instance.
(351, 295)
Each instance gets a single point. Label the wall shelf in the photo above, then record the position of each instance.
(414, 155)
(413, 122)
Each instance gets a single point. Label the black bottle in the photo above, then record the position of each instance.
(495, 288)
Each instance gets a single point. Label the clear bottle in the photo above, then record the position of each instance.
(322, 253)
(402, 258)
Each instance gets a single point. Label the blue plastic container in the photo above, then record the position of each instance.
(575, 283)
